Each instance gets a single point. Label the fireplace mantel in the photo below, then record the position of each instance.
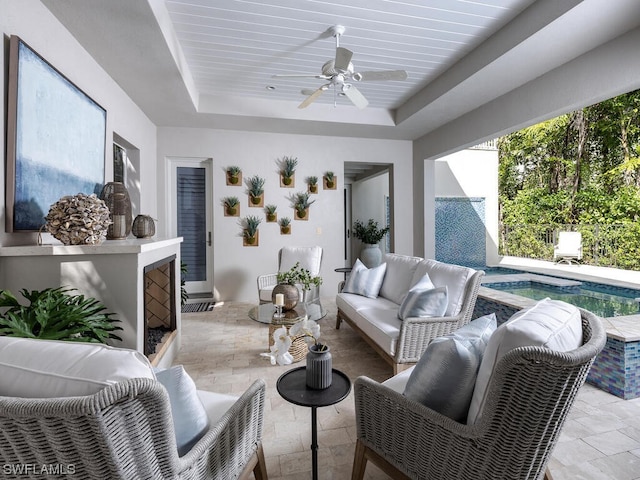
(112, 272)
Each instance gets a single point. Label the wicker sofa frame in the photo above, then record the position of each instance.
(529, 397)
(125, 431)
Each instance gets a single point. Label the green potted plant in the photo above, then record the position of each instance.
(370, 235)
(301, 205)
(288, 171)
(250, 232)
(231, 206)
(285, 225)
(313, 184)
(329, 180)
(272, 216)
(54, 314)
(234, 175)
(256, 190)
(288, 281)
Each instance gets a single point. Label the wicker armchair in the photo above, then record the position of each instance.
(530, 394)
(125, 431)
(309, 258)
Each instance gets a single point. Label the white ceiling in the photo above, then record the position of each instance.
(207, 63)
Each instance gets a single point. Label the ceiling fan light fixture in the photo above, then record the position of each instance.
(356, 77)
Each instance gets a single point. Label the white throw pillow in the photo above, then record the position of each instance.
(444, 377)
(365, 281)
(549, 323)
(34, 368)
(190, 420)
(424, 300)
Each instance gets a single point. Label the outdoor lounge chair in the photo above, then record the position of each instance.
(528, 398)
(568, 248)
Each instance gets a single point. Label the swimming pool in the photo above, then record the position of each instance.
(601, 299)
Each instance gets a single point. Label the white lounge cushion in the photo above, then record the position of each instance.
(455, 277)
(46, 368)
(365, 281)
(190, 420)
(309, 258)
(549, 323)
(398, 276)
(424, 300)
(216, 404)
(445, 376)
(398, 382)
(380, 325)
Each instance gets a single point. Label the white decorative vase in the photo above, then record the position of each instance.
(370, 255)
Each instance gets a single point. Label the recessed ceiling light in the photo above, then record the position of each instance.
(270, 87)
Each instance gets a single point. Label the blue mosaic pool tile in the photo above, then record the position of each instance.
(460, 232)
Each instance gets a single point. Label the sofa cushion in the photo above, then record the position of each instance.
(365, 281)
(424, 300)
(445, 376)
(549, 323)
(47, 368)
(190, 420)
(455, 277)
(379, 324)
(398, 276)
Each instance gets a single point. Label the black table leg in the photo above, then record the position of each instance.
(314, 443)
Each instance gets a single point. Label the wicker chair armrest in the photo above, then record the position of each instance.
(227, 446)
(267, 280)
(418, 441)
(417, 332)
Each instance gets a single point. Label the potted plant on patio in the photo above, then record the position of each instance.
(288, 282)
(370, 235)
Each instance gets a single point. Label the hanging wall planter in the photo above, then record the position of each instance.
(301, 206)
(270, 211)
(231, 207)
(312, 183)
(288, 172)
(255, 185)
(234, 176)
(285, 226)
(250, 233)
(330, 181)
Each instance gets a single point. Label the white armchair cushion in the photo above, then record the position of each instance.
(190, 419)
(33, 368)
(398, 276)
(424, 300)
(445, 376)
(309, 258)
(549, 323)
(365, 281)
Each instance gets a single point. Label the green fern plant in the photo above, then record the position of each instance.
(53, 314)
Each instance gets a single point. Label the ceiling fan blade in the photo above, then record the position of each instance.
(312, 98)
(343, 58)
(382, 75)
(355, 96)
(294, 75)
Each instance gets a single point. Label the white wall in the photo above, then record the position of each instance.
(32, 22)
(473, 173)
(235, 268)
(368, 201)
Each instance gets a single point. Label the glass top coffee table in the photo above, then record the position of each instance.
(264, 313)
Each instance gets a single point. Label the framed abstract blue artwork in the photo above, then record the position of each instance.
(56, 138)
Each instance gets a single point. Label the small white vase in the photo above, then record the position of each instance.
(370, 255)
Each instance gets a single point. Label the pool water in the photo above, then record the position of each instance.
(588, 296)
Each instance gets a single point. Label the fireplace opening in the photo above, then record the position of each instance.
(159, 304)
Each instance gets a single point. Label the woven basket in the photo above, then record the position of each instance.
(298, 349)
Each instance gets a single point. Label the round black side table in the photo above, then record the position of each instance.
(292, 386)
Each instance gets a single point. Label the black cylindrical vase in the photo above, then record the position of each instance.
(319, 367)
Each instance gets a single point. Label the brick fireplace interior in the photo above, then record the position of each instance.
(159, 304)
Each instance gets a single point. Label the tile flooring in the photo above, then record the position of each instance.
(221, 351)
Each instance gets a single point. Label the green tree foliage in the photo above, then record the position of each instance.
(581, 168)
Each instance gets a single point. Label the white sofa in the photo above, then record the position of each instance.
(402, 342)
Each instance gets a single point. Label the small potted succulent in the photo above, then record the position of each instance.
(250, 232)
(313, 184)
(285, 225)
(329, 180)
(270, 210)
(288, 170)
(256, 190)
(234, 175)
(231, 206)
(301, 205)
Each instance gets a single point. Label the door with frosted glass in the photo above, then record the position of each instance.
(192, 221)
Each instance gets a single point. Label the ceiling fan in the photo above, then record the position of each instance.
(340, 72)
